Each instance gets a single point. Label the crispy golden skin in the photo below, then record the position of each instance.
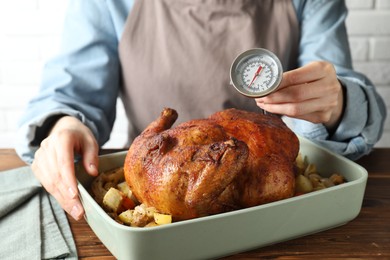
(273, 148)
(232, 160)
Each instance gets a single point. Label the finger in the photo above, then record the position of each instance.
(45, 167)
(90, 156)
(308, 73)
(65, 165)
(297, 93)
(76, 209)
(72, 206)
(299, 109)
(67, 192)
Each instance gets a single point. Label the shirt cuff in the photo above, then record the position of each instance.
(31, 134)
(355, 112)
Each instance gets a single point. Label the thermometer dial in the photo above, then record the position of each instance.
(256, 72)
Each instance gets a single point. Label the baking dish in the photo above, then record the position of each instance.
(242, 230)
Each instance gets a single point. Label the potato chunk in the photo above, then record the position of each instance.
(126, 217)
(162, 219)
(112, 200)
(123, 187)
(116, 201)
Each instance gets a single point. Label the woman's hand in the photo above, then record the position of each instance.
(312, 93)
(54, 162)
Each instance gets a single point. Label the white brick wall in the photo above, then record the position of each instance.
(369, 32)
(30, 33)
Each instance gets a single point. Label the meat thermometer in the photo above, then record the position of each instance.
(256, 72)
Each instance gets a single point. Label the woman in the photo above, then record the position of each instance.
(177, 53)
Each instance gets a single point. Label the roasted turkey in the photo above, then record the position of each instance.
(234, 159)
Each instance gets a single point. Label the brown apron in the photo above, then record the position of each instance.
(177, 53)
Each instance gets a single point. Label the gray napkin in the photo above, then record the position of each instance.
(32, 224)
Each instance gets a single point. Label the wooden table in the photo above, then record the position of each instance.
(367, 236)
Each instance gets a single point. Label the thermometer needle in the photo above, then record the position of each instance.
(256, 75)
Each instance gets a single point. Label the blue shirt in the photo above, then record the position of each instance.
(84, 79)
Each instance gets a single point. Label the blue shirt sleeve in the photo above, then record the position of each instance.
(324, 37)
(84, 80)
